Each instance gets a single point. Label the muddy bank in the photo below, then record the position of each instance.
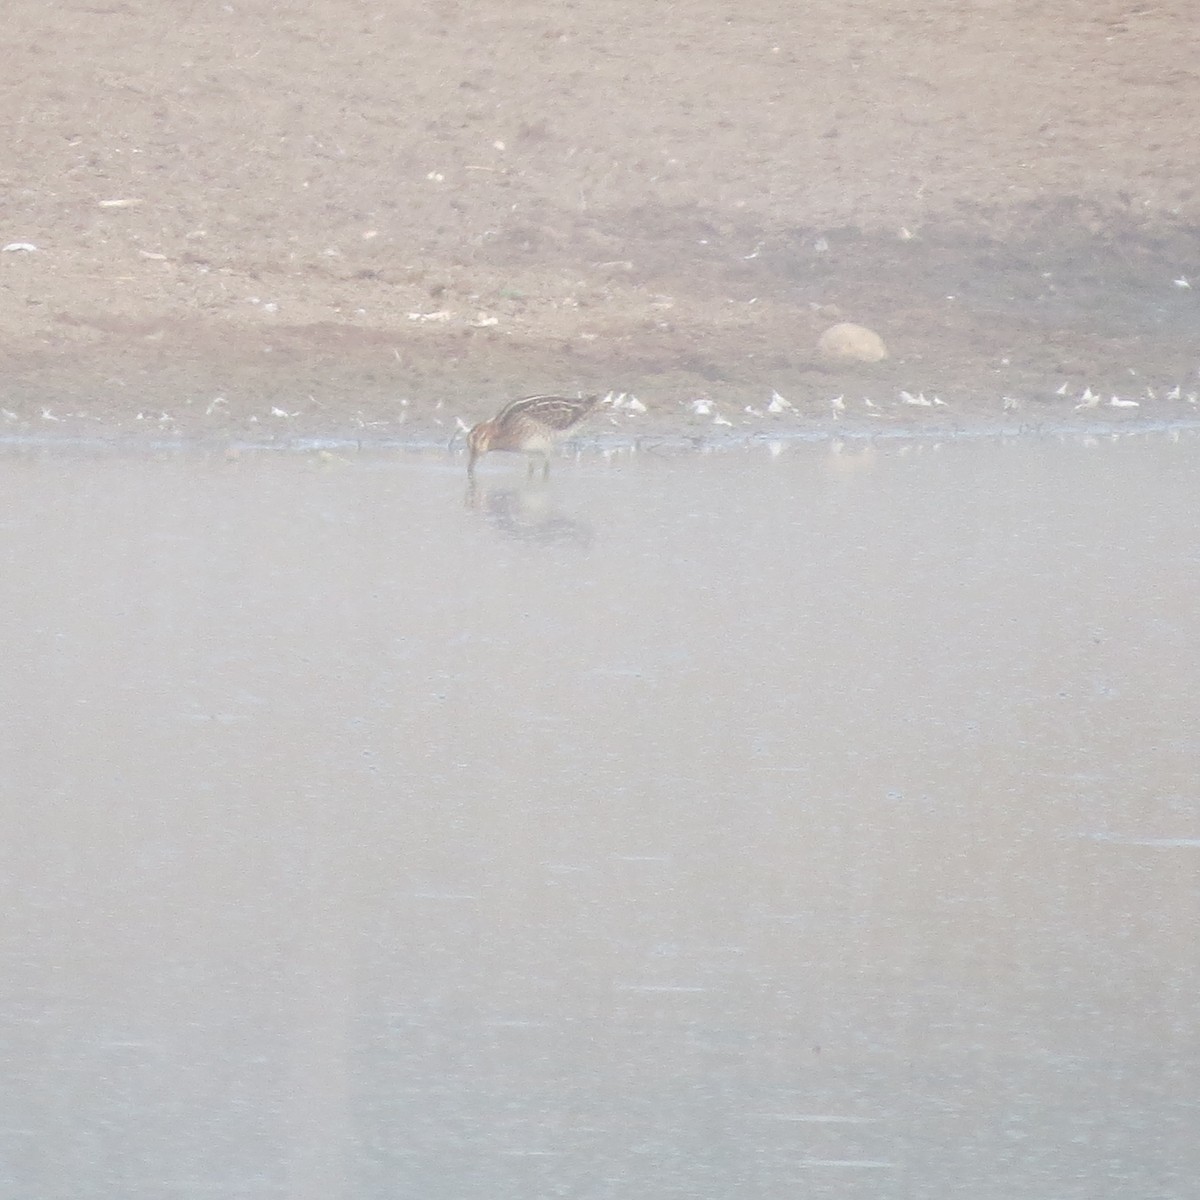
(1031, 332)
(429, 213)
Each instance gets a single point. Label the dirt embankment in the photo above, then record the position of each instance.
(334, 216)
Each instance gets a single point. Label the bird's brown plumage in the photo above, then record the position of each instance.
(530, 425)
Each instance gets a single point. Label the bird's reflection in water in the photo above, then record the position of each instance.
(528, 514)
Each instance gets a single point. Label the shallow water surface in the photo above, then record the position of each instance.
(823, 824)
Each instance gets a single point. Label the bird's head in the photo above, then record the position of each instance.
(479, 442)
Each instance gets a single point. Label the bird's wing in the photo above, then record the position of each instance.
(556, 412)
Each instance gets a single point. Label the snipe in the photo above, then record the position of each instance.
(530, 425)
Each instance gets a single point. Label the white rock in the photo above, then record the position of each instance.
(846, 342)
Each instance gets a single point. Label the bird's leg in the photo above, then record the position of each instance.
(545, 466)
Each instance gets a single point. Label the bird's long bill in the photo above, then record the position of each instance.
(471, 457)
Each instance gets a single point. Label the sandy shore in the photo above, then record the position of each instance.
(326, 220)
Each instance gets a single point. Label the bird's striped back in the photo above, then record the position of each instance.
(553, 412)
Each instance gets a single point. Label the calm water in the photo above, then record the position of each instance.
(818, 825)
